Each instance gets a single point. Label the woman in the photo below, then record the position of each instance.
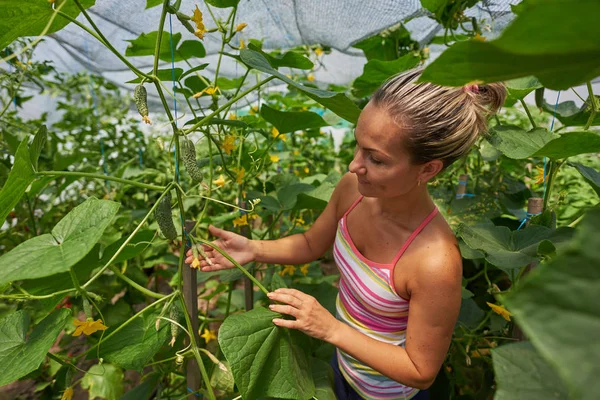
(398, 259)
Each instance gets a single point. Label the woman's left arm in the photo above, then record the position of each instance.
(434, 306)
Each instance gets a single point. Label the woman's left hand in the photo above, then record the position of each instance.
(311, 317)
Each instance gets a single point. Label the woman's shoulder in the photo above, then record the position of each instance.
(345, 194)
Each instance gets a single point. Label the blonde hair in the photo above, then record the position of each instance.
(441, 122)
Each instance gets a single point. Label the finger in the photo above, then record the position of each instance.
(215, 267)
(286, 323)
(189, 260)
(221, 233)
(285, 298)
(284, 309)
(189, 253)
(292, 292)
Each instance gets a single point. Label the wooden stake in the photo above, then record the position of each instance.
(462, 185)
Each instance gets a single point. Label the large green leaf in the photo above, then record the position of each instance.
(290, 121)
(557, 308)
(20, 355)
(336, 102)
(318, 198)
(376, 72)
(554, 40)
(515, 142)
(569, 114)
(145, 44)
(145, 389)
(30, 17)
(571, 144)
(289, 59)
(266, 360)
(223, 3)
(590, 175)
(135, 345)
(508, 249)
(71, 239)
(521, 373)
(323, 377)
(519, 88)
(20, 176)
(105, 381)
(288, 195)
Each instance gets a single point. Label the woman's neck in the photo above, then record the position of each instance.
(407, 210)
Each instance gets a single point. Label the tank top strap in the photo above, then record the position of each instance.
(414, 234)
(352, 207)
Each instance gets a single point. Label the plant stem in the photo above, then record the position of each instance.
(34, 297)
(554, 167)
(101, 177)
(113, 258)
(237, 265)
(209, 117)
(528, 113)
(101, 38)
(161, 25)
(593, 105)
(134, 284)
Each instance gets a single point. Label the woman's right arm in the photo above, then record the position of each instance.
(295, 249)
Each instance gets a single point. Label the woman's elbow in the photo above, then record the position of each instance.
(423, 382)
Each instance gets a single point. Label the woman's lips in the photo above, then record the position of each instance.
(363, 182)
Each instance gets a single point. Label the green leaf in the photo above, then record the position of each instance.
(266, 360)
(569, 114)
(508, 249)
(144, 390)
(318, 198)
(134, 346)
(163, 75)
(223, 3)
(19, 178)
(288, 195)
(189, 49)
(571, 144)
(145, 44)
(470, 314)
(192, 70)
(153, 3)
(520, 87)
(71, 239)
(590, 175)
(229, 84)
(336, 102)
(323, 377)
(30, 17)
(556, 305)
(39, 140)
(515, 142)
(20, 355)
(104, 381)
(291, 121)
(289, 59)
(522, 373)
(376, 72)
(554, 40)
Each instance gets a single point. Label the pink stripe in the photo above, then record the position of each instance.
(355, 302)
(374, 296)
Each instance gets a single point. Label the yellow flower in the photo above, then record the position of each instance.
(304, 269)
(253, 110)
(318, 51)
(195, 264)
(306, 170)
(300, 221)
(240, 175)
(52, 2)
(274, 132)
(208, 90)
(479, 38)
(242, 44)
(228, 145)
(67, 394)
(208, 335)
(220, 182)
(288, 269)
(253, 216)
(500, 310)
(241, 27)
(88, 326)
(274, 158)
(282, 137)
(539, 178)
(240, 221)
(296, 153)
(232, 116)
(200, 28)
(146, 119)
(310, 77)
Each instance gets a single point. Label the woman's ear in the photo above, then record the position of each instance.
(430, 169)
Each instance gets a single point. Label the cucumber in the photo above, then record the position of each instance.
(163, 216)
(188, 154)
(140, 97)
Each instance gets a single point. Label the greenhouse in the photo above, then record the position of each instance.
(236, 199)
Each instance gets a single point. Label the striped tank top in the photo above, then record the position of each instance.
(368, 302)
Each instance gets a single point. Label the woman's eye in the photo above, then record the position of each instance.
(374, 160)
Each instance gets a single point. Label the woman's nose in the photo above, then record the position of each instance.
(356, 165)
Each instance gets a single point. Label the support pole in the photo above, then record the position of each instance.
(462, 186)
(190, 296)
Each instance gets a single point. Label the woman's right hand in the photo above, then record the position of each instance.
(238, 247)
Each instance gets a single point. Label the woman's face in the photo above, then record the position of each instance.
(381, 163)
